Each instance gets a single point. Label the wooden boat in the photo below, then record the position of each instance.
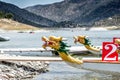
(94, 49)
(97, 65)
(102, 67)
(93, 64)
(87, 44)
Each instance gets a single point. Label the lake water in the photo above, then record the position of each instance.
(60, 70)
(24, 40)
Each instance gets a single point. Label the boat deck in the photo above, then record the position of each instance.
(75, 49)
(29, 58)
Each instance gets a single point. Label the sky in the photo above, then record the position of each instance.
(26, 3)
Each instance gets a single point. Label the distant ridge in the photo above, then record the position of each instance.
(83, 12)
(26, 17)
(64, 14)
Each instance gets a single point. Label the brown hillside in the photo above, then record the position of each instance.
(6, 24)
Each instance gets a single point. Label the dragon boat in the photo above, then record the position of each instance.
(92, 64)
(93, 49)
(58, 45)
(87, 43)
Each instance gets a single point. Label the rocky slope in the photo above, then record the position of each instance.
(84, 12)
(111, 21)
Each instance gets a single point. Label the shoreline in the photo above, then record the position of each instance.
(19, 70)
(24, 31)
(77, 28)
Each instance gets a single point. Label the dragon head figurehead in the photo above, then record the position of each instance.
(55, 43)
(54, 38)
(117, 41)
(52, 41)
(58, 45)
(82, 39)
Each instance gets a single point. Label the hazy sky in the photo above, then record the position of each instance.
(25, 3)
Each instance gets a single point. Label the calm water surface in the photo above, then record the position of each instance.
(60, 70)
(34, 40)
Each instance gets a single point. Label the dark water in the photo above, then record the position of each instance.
(60, 70)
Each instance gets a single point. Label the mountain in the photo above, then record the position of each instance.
(111, 21)
(84, 12)
(24, 16)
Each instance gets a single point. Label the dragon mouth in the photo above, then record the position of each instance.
(47, 44)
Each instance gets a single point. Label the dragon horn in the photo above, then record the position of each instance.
(44, 38)
(75, 39)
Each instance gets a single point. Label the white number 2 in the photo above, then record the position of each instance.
(107, 47)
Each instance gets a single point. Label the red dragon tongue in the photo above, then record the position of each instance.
(50, 43)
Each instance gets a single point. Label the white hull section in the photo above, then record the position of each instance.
(98, 67)
(103, 68)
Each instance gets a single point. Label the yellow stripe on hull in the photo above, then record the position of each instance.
(92, 48)
(69, 58)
